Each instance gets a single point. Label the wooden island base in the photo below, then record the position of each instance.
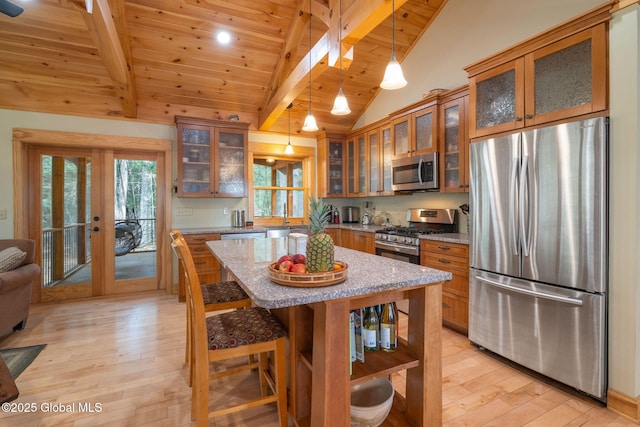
(319, 349)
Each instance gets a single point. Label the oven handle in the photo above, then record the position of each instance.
(410, 250)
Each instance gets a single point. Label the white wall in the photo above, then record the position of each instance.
(624, 278)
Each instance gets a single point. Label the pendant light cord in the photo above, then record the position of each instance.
(393, 28)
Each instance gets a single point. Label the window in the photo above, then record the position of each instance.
(278, 184)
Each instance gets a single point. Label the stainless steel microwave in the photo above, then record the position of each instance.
(416, 173)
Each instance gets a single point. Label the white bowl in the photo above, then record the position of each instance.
(371, 402)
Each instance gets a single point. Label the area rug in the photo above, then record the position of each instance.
(18, 359)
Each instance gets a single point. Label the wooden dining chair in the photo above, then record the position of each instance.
(229, 335)
(216, 296)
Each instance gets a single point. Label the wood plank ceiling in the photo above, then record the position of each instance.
(151, 60)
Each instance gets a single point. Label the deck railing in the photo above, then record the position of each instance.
(74, 255)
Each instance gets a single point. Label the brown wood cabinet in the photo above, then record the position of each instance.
(356, 166)
(335, 234)
(558, 75)
(212, 158)
(207, 265)
(379, 155)
(331, 165)
(454, 258)
(363, 241)
(414, 130)
(453, 138)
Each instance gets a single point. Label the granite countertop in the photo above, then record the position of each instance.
(248, 261)
(222, 230)
(448, 237)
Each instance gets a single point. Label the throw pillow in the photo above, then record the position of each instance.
(11, 258)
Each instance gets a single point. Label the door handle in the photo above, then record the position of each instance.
(559, 298)
(96, 228)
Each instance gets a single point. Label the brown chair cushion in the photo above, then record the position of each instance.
(241, 327)
(214, 293)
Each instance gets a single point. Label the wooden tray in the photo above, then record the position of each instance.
(309, 280)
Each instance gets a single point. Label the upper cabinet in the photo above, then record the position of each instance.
(555, 76)
(356, 166)
(414, 131)
(331, 165)
(212, 158)
(454, 142)
(379, 155)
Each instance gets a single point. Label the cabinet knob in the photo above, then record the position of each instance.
(444, 248)
(96, 228)
(518, 119)
(528, 116)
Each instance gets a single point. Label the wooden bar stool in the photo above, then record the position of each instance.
(216, 296)
(229, 335)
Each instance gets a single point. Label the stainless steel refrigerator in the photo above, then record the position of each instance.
(538, 251)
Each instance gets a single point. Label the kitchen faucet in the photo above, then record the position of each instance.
(284, 217)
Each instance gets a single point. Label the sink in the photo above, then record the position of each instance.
(285, 230)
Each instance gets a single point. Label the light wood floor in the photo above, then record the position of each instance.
(126, 353)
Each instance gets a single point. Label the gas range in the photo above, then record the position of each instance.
(404, 242)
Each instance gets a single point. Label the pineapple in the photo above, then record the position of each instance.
(319, 244)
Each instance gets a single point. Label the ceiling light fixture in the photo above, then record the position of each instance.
(89, 5)
(223, 37)
(340, 105)
(393, 78)
(310, 124)
(289, 148)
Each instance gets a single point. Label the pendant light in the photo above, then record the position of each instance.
(340, 105)
(289, 148)
(310, 124)
(393, 78)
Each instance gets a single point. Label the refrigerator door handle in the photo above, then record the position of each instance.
(513, 195)
(525, 228)
(559, 298)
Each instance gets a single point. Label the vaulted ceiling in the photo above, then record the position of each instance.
(151, 60)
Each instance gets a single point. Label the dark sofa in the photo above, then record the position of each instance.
(16, 286)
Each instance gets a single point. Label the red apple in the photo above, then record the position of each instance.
(298, 268)
(282, 259)
(299, 259)
(285, 266)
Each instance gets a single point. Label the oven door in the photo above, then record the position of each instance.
(406, 253)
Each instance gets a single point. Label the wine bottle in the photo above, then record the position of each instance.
(370, 329)
(389, 327)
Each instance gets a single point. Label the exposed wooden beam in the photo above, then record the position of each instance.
(357, 21)
(104, 32)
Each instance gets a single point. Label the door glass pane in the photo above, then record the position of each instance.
(361, 164)
(496, 100)
(452, 147)
(424, 131)
(373, 162)
(386, 162)
(135, 218)
(231, 165)
(66, 217)
(557, 86)
(196, 161)
(401, 137)
(335, 168)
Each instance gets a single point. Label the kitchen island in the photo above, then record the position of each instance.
(318, 323)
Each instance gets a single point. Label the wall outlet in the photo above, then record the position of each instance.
(225, 211)
(3, 214)
(184, 212)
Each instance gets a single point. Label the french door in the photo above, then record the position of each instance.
(98, 216)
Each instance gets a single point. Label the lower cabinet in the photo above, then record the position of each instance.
(335, 234)
(206, 264)
(454, 258)
(363, 241)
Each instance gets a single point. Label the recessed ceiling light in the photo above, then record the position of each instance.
(223, 37)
